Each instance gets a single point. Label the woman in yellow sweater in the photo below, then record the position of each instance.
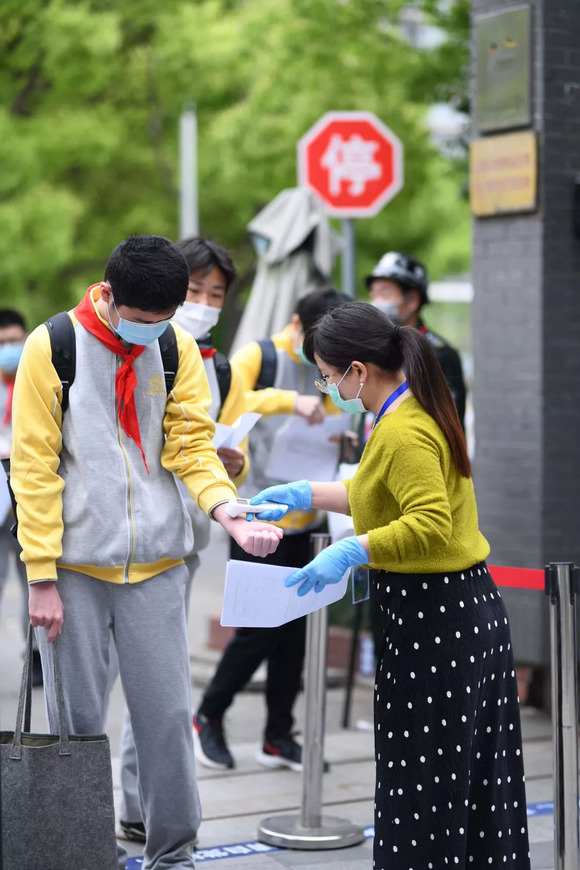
(450, 782)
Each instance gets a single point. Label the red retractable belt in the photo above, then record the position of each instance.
(522, 578)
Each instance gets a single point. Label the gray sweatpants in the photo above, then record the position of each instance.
(147, 621)
(130, 806)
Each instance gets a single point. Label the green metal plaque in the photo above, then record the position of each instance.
(503, 69)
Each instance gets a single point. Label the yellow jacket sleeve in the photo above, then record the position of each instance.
(233, 408)
(36, 445)
(247, 362)
(189, 451)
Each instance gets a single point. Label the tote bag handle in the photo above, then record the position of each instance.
(25, 701)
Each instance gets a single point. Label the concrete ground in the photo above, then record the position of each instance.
(236, 802)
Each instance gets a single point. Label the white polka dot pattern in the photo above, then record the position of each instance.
(450, 782)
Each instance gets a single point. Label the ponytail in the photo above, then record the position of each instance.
(429, 386)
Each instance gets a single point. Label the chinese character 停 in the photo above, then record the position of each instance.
(350, 160)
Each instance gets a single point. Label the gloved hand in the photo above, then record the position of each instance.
(298, 497)
(329, 566)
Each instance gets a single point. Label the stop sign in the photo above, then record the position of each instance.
(352, 162)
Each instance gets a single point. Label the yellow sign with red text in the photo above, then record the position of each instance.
(503, 174)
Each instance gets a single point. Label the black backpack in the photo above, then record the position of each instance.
(267, 374)
(223, 371)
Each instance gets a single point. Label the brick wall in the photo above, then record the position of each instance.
(526, 328)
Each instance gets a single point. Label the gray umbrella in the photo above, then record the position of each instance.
(296, 252)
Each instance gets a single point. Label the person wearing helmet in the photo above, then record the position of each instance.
(398, 287)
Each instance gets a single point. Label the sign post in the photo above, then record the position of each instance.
(354, 164)
(188, 195)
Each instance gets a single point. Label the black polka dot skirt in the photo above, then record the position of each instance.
(450, 786)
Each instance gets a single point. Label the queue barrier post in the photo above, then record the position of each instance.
(311, 830)
(562, 584)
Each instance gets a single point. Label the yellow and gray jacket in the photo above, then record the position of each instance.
(233, 407)
(275, 403)
(85, 499)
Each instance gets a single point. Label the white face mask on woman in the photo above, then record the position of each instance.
(197, 319)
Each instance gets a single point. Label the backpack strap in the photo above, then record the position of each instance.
(267, 374)
(223, 372)
(169, 356)
(63, 350)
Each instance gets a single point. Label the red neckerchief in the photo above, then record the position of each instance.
(126, 379)
(207, 352)
(8, 407)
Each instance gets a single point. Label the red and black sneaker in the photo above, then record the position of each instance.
(210, 744)
(283, 753)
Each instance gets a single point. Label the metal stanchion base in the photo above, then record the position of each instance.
(287, 832)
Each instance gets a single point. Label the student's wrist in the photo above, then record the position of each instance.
(218, 512)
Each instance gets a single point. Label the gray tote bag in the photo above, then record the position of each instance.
(56, 800)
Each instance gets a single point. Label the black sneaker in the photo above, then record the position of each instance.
(133, 831)
(210, 744)
(284, 752)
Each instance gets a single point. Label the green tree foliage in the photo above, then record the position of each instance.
(90, 97)
(444, 72)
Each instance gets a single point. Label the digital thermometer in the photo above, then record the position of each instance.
(240, 506)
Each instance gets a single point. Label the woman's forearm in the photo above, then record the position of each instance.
(330, 497)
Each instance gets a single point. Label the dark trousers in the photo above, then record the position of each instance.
(376, 618)
(282, 647)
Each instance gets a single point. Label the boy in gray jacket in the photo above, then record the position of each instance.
(103, 527)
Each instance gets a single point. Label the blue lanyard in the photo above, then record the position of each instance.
(392, 398)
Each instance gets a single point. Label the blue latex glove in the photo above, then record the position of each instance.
(329, 566)
(298, 497)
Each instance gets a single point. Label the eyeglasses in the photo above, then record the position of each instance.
(321, 384)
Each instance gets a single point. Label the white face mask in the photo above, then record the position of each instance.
(197, 319)
(389, 309)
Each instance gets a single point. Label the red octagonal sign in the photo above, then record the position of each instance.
(352, 162)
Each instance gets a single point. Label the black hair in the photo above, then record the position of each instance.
(148, 273)
(312, 306)
(11, 317)
(359, 331)
(207, 255)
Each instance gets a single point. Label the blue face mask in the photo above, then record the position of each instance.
(10, 357)
(139, 333)
(351, 406)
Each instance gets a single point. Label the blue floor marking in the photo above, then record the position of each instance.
(253, 847)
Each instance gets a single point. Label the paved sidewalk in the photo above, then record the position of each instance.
(235, 802)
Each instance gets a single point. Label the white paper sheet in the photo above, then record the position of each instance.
(232, 436)
(340, 525)
(301, 451)
(255, 596)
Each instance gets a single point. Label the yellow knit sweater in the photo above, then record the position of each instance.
(419, 513)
